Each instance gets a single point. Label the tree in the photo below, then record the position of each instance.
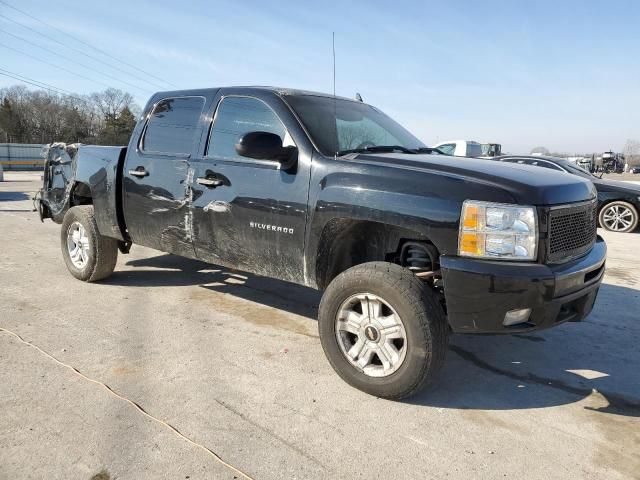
(117, 128)
(111, 102)
(540, 151)
(632, 152)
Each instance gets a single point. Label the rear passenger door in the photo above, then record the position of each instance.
(155, 180)
(255, 218)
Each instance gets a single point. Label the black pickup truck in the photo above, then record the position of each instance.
(408, 245)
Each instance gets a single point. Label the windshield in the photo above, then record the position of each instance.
(338, 126)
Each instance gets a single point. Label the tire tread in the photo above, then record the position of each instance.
(422, 304)
(105, 249)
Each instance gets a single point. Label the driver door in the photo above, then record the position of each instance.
(249, 213)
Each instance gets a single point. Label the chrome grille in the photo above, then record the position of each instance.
(572, 231)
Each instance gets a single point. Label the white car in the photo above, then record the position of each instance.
(460, 148)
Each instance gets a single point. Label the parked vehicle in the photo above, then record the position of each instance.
(618, 202)
(333, 194)
(460, 148)
(491, 149)
(635, 170)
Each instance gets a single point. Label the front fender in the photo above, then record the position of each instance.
(345, 197)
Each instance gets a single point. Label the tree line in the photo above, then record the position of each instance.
(40, 116)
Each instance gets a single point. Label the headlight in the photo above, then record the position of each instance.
(498, 231)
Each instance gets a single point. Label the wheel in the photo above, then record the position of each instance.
(382, 330)
(618, 217)
(88, 255)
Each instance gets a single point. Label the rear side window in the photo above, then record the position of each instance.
(545, 164)
(235, 117)
(172, 125)
(537, 163)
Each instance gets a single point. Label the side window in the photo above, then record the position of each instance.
(474, 150)
(447, 148)
(537, 163)
(172, 125)
(549, 165)
(236, 116)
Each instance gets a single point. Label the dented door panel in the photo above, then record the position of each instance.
(254, 217)
(252, 221)
(157, 205)
(157, 174)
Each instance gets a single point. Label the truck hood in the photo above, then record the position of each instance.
(527, 184)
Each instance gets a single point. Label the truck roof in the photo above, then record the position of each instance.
(278, 90)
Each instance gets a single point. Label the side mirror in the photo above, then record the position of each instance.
(267, 146)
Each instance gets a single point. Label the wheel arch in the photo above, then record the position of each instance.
(346, 242)
(80, 194)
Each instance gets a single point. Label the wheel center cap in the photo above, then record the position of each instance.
(371, 333)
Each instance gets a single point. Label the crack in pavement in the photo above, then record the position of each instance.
(131, 402)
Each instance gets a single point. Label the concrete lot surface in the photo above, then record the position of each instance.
(233, 362)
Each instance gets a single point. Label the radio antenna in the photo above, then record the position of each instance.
(333, 44)
(335, 108)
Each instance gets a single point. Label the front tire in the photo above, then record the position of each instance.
(88, 255)
(383, 330)
(619, 217)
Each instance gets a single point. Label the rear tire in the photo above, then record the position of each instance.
(88, 255)
(393, 365)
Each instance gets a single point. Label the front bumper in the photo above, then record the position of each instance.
(479, 293)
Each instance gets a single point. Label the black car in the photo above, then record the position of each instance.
(635, 170)
(618, 202)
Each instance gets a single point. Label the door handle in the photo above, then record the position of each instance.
(209, 182)
(139, 172)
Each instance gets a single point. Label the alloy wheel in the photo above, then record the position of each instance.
(371, 335)
(78, 245)
(617, 218)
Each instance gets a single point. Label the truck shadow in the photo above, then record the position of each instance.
(594, 362)
(171, 270)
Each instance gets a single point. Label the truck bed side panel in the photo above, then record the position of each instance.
(88, 175)
(98, 167)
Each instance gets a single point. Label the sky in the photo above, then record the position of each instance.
(561, 74)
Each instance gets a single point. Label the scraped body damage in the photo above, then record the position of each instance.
(158, 207)
(58, 177)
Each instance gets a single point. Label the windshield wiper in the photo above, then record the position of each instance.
(377, 149)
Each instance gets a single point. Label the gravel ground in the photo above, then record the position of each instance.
(233, 362)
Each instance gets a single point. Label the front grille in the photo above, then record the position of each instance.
(572, 231)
